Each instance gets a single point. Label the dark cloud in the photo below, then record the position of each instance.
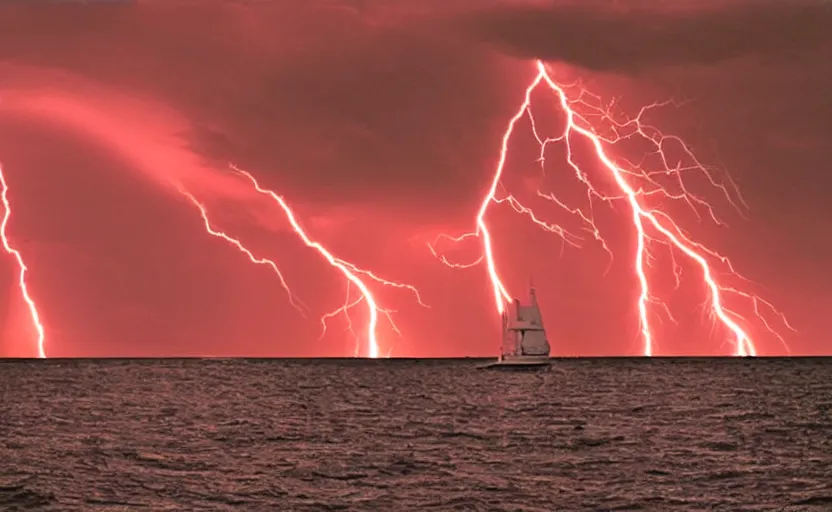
(384, 105)
(635, 36)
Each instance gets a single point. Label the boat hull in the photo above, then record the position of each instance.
(519, 363)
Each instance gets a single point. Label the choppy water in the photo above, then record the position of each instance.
(405, 435)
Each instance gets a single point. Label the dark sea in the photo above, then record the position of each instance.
(409, 435)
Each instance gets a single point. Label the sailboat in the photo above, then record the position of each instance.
(524, 342)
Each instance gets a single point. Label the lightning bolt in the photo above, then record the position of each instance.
(296, 303)
(634, 185)
(23, 269)
(351, 273)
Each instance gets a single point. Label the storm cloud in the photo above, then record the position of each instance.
(631, 37)
(260, 83)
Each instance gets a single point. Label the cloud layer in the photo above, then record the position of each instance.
(637, 36)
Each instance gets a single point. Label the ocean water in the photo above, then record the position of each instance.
(602, 434)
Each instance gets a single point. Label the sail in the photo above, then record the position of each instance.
(523, 332)
(533, 341)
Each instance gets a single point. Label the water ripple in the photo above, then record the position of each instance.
(294, 435)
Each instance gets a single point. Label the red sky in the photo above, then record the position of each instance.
(380, 122)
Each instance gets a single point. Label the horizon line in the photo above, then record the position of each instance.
(392, 359)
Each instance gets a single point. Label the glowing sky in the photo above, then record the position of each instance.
(380, 122)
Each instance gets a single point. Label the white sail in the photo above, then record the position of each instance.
(523, 331)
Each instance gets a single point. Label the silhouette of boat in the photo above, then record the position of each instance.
(524, 344)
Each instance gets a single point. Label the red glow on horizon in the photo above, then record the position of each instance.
(161, 159)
